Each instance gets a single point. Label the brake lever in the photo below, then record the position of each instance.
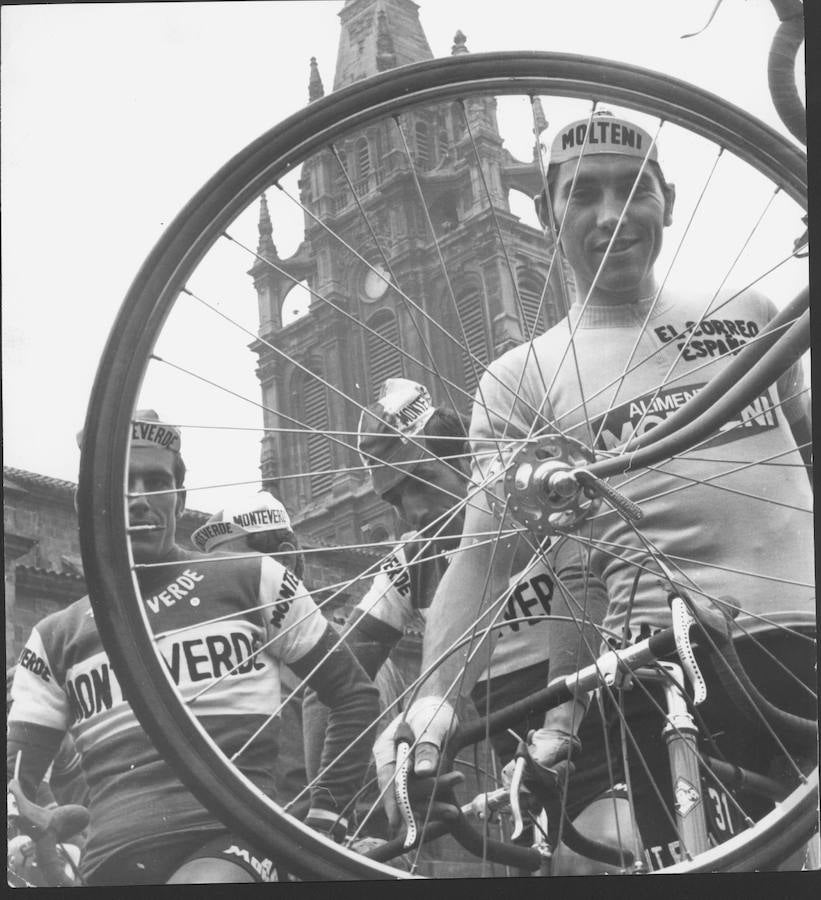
(403, 741)
(515, 788)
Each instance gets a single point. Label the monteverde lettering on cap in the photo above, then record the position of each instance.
(207, 532)
(262, 517)
(154, 434)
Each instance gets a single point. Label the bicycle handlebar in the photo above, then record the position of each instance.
(781, 67)
(714, 636)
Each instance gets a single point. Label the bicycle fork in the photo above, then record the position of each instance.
(681, 734)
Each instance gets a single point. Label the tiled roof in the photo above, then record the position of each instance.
(33, 479)
(49, 573)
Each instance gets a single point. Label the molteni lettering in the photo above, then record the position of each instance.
(602, 132)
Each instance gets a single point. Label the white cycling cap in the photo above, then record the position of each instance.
(248, 514)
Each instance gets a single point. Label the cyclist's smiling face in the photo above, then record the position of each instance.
(152, 469)
(591, 210)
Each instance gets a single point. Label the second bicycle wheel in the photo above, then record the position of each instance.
(388, 231)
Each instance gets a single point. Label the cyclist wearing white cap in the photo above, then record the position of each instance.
(255, 522)
(211, 618)
(613, 206)
(416, 455)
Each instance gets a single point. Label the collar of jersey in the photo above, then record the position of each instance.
(617, 315)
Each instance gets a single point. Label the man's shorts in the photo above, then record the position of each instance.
(503, 690)
(157, 861)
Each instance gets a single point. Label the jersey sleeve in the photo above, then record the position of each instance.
(389, 597)
(36, 697)
(502, 412)
(293, 621)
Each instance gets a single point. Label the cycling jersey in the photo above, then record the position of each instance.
(726, 525)
(209, 616)
(518, 645)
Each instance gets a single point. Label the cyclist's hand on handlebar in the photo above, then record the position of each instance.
(547, 747)
(431, 720)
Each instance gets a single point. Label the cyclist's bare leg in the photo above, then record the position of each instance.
(210, 871)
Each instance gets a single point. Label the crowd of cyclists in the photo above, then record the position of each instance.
(93, 800)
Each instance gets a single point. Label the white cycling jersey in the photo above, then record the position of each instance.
(520, 644)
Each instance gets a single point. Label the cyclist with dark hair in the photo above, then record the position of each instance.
(613, 203)
(417, 458)
(213, 617)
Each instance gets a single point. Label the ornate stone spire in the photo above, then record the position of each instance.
(315, 88)
(385, 54)
(376, 35)
(266, 248)
(539, 118)
(459, 44)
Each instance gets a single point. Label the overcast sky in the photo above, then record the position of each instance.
(115, 114)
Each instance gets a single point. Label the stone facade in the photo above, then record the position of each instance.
(319, 369)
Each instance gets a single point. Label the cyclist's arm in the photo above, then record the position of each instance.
(474, 587)
(39, 717)
(307, 642)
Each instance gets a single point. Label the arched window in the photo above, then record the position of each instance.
(473, 318)
(363, 160)
(377, 534)
(423, 155)
(384, 359)
(457, 117)
(531, 286)
(310, 397)
(296, 304)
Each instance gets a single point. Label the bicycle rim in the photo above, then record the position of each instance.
(120, 615)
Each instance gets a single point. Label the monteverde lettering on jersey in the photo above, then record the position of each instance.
(287, 592)
(398, 573)
(93, 688)
(602, 131)
(93, 691)
(211, 656)
(644, 413)
(179, 589)
(35, 664)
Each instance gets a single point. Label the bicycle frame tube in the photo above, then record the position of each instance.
(681, 734)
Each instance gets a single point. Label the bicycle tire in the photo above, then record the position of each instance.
(112, 586)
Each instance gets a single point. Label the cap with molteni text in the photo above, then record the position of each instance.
(245, 514)
(148, 431)
(390, 429)
(607, 134)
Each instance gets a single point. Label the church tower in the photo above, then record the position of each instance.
(366, 190)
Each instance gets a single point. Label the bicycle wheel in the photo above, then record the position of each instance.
(451, 205)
